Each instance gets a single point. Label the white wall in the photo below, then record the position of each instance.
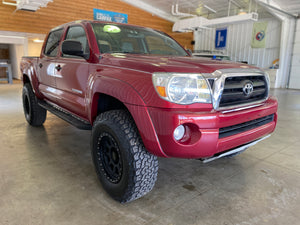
(238, 45)
(34, 49)
(295, 67)
(20, 44)
(16, 52)
(17, 48)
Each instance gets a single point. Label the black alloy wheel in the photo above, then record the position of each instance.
(110, 156)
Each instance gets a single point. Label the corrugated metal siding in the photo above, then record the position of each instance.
(238, 45)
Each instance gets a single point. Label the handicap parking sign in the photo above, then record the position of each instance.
(221, 35)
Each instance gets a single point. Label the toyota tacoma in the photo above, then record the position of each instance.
(144, 96)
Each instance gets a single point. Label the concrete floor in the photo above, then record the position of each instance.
(47, 177)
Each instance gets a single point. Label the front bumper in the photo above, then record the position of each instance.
(234, 151)
(203, 127)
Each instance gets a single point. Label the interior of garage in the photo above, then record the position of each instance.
(46, 173)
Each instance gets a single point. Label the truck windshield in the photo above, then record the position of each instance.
(115, 38)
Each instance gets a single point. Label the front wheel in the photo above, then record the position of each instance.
(34, 114)
(126, 170)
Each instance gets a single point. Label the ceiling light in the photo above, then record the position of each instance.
(38, 41)
(242, 12)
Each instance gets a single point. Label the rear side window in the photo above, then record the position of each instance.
(77, 33)
(53, 43)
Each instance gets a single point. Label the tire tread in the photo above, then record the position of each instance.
(145, 165)
(38, 114)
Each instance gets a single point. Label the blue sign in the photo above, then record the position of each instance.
(109, 16)
(221, 35)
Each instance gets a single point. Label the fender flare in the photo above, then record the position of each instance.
(135, 104)
(28, 69)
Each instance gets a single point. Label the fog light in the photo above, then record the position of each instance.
(179, 132)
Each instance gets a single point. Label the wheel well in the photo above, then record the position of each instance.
(25, 79)
(107, 103)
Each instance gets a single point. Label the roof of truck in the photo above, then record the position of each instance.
(94, 21)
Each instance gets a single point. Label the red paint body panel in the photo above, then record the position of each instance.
(146, 129)
(128, 78)
(208, 124)
(72, 82)
(140, 81)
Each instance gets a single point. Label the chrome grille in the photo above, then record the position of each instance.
(235, 92)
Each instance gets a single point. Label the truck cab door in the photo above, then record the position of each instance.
(47, 66)
(72, 77)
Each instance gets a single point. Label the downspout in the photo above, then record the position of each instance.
(177, 13)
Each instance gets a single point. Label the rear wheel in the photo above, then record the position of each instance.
(126, 170)
(35, 115)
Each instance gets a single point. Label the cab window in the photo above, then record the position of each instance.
(53, 43)
(77, 33)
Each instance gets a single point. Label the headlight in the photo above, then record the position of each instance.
(182, 88)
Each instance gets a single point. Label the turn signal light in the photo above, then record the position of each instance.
(162, 91)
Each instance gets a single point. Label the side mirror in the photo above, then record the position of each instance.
(72, 47)
(189, 51)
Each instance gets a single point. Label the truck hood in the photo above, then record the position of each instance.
(150, 64)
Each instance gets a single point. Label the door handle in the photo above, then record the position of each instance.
(40, 65)
(58, 68)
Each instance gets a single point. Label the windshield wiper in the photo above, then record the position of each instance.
(126, 52)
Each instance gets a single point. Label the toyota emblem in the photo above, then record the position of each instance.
(248, 89)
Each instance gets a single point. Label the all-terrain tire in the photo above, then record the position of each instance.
(126, 170)
(35, 115)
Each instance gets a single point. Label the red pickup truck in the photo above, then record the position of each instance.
(144, 96)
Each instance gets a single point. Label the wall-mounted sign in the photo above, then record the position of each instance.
(259, 35)
(109, 16)
(221, 35)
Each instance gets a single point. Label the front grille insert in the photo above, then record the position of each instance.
(234, 93)
(239, 128)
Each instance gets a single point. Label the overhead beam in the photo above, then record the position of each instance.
(209, 9)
